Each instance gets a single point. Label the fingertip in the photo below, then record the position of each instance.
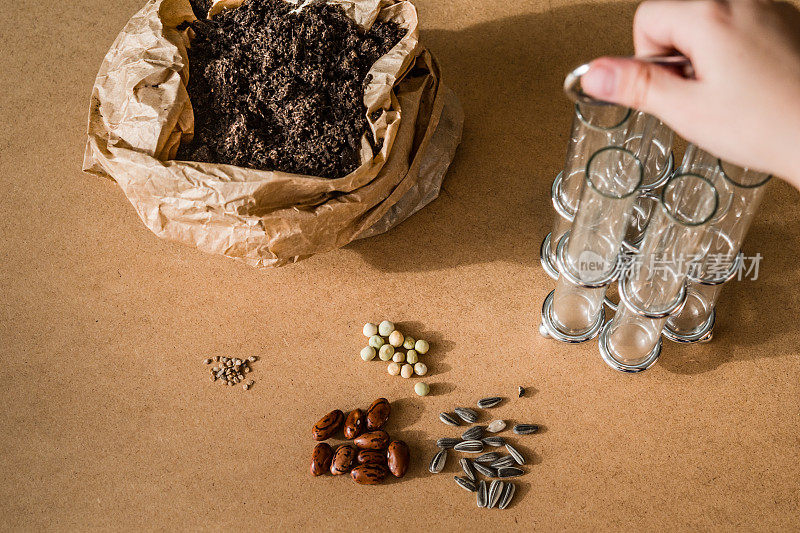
(601, 79)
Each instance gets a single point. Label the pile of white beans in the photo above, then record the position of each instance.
(385, 342)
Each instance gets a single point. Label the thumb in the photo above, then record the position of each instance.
(644, 86)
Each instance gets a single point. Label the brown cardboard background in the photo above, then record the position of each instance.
(109, 418)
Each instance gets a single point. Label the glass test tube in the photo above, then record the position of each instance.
(653, 285)
(725, 237)
(588, 254)
(650, 140)
(594, 126)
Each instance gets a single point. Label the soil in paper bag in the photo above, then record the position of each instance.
(276, 90)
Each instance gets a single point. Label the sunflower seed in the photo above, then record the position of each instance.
(437, 463)
(487, 403)
(485, 470)
(495, 490)
(525, 429)
(467, 484)
(467, 415)
(496, 426)
(515, 454)
(508, 493)
(503, 462)
(487, 457)
(449, 419)
(469, 446)
(473, 433)
(509, 471)
(482, 496)
(520, 392)
(494, 441)
(446, 443)
(466, 466)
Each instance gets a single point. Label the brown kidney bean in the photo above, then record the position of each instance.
(369, 474)
(371, 456)
(328, 425)
(354, 424)
(343, 460)
(375, 440)
(398, 457)
(321, 459)
(378, 414)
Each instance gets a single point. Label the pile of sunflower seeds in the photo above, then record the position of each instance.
(498, 491)
(231, 370)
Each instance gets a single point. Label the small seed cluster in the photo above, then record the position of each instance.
(231, 370)
(386, 343)
(496, 490)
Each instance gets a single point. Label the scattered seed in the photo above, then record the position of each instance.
(467, 484)
(449, 419)
(488, 403)
(246, 369)
(508, 493)
(482, 495)
(494, 441)
(526, 429)
(473, 433)
(515, 454)
(251, 383)
(521, 392)
(485, 470)
(252, 358)
(495, 490)
(467, 415)
(245, 386)
(216, 358)
(446, 443)
(437, 463)
(509, 471)
(487, 457)
(496, 426)
(207, 361)
(469, 446)
(503, 462)
(466, 466)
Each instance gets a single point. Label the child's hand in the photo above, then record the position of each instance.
(744, 105)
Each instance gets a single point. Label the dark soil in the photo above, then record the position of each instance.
(276, 90)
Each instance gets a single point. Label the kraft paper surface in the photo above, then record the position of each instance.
(110, 421)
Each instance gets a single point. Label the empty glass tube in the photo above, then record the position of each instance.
(594, 126)
(653, 285)
(650, 140)
(587, 256)
(725, 237)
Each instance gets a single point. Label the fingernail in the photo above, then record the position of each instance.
(601, 81)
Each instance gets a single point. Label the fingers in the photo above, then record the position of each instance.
(645, 86)
(663, 26)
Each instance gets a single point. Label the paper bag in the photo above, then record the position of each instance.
(140, 113)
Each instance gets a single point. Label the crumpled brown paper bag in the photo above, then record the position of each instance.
(140, 112)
